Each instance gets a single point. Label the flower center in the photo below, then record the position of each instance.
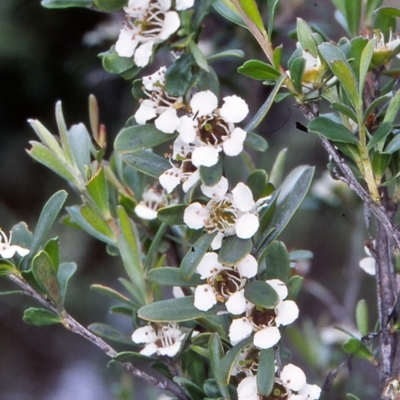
(222, 215)
(228, 282)
(263, 317)
(212, 130)
(152, 23)
(278, 393)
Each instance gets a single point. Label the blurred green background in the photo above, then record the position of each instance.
(48, 55)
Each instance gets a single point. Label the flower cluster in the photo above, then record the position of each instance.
(290, 384)
(265, 322)
(8, 250)
(149, 22)
(165, 341)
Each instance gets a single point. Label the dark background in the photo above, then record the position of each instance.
(43, 58)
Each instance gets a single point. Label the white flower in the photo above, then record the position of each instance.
(211, 129)
(224, 284)
(310, 392)
(150, 22)
(8, 250)
(226, 213)
(265, 322)
(368, 264)
(381, 47)
(166, 341)
(152, 200)
(159, 104)
(247, 389)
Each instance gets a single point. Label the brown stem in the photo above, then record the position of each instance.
(74, 326)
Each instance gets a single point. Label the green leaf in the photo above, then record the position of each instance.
(53, 251)
(332, 130)
(389, 11)
(110, 333)
(172, 215)
(266, 372)
(229, 13)
(229, 360)
(346, 110)
(298, 255)
(357, 348)
(393, 145)
(297, 68)
(7, 268)
(294, 286)
(194, 255)
(380, 162)
(353, 14)
(365, 63)
(380, 135)
(44, 156)
(98, 190)
(375, 104)
(80, 144)
(85, 217)
(351, 396)
(257, 182)
(276, 174)
(259, 70)
(286, 208)
(132, 357)
(208, 81)
(271, 5)
(216, 352)
(234, 249)
(140, 137)
(112, 294)
(251, 10)
(255, 142)
(277, 261)
(305, 37)
(210, 176)
(40, 317)
(47, 139)
(176, 310)
(46, 219)
(170, 276)
(66, 3)
(110, 5)
(341, 68)
(201, 12)
(262, 112)
(46, 276)
(21, 235)
(370, 7)
(178, 77)
(147, 162)
(115, 64)
(65, 271)
(129, 245)
(362, 317)
(261, 294)
(227, 53)
(393, 108)
(198, 55)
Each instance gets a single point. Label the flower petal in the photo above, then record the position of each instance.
(217, 191)
(279, 287)
(126, 43)
(247, 388)
(145, 212)
(168, 121)
(248, 267)
(183, 4)
(209, 265)
(170, 25)
(195, 215)
(243, 197)
(145, 334)
(246, 226)
(233, 145)
(240, 329)
(203, 103)
(293, 377)
(191, 180)
(235, 109)
(217, 241)
(287, 312)
(236, 304)
(143, 54)
(267, 337)
(149, 349)
(170, 179)
(146, 111)
(204, 297)
(368, 264)
(187, 129)
(205, 155)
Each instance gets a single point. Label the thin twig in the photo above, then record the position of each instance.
(74, 326)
